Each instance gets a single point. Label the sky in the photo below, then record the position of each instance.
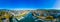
(57, 4)
(29, 4)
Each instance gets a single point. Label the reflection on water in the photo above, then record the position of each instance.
(30, 16)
